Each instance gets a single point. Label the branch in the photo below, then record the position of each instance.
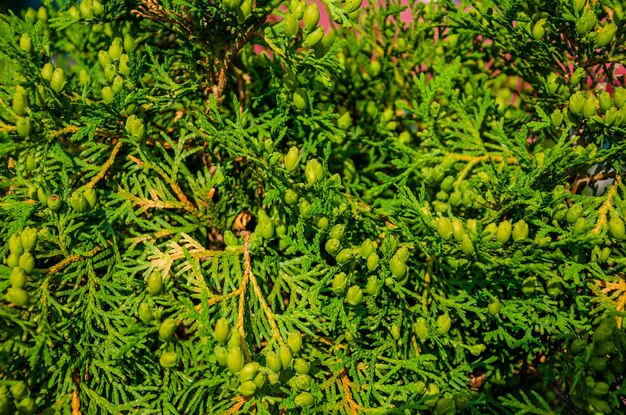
(235, 408)
(584, 181)
(75, 403)
(257, 290)
(105, 166)
(606, 206)
(233, 50)
(152, 10)
(242, 295)
(73, 258)
(345, 383)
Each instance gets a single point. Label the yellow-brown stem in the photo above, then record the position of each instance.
(602, 212)
(73, 258)
(345, 383)
(105, 166)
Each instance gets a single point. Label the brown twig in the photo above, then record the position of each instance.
(345, 383)
(586, 180)
(152, 10)
(76, 403)
(606, 206)
(242, 295)
(105, 166)
(235, 408)
(231, 51)
(73, 258)
(248, 276)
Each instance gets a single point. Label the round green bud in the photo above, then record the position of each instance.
(520, 231)
(421, 329)
(115, 49)
(17, 278)
(294, 340)
(221, 331)
(354, 295)
(145, 313)
(168, 360)
(332, 246)
(372, 261)
(337, 231)
(248, 371)
(372, 285)
(616, 227)
(47, 71)
(290, 26)
(235, 360)
(444, 228)
(344, 256)
(17, 296)
(155, 283)
(304, 400)
(344, 121)
(221, 355)
(167, 329)
(20, 102)
(26, 43)
(54, 202)
(108, 96)
(606, 35)
(247, 388)
(300, 102)
(15, 244)
(576, 103)
(13, 260)
(467, 246)
(573, 213)
(291, 197)
(503, 232)
(301, 366)
(443, 324)
(129, 43)
(311, 17)
(494, 307)
(23, 127)
(340, 281)
(291, 159)
(273, 362)
(398, 267)
(314, 38)
(27, 262)
(285, 355)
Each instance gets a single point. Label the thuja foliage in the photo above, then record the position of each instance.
(228, 207)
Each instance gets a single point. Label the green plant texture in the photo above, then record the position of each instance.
(267, 207)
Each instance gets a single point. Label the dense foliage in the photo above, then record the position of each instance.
(227, 206)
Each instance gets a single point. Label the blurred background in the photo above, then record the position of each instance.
(17, 5)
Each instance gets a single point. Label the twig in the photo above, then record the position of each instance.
(249, 276)
(345, 383)
(474, 160)
(242, 296)
(268, 312)
(179, 193)
(73, 258)
(105, 166)
(152, 10)
(606, 206)
(76, 403)
(584, 181)
(69, 129)
(235, 408)
(231, 51)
